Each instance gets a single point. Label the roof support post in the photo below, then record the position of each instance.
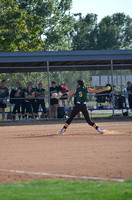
(48, 88)
(61, 77)
(112, 74)
(81, 75)
(27, 77)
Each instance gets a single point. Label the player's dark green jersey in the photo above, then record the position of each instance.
(21, 92)
(40, 92)
(33, 89)
(81, 95)
(30, 93)
(129, 90)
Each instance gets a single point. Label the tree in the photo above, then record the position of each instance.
(115, 32)
(35, 25)
(12, 78)
(15, 34)
(85, 31)
(60, 26)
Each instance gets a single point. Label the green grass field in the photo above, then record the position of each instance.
(66, 190)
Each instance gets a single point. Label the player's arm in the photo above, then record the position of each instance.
(72, 92)
(29, 96)
(36, 94)
(26, 95)
(33, 95)
(17, 93)
(43, 95)
(98, 91)
(73, 95)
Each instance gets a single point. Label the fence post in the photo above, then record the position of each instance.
(81, 75)
(48, 88)
(27, 77)
(61, 77)
(112, 74)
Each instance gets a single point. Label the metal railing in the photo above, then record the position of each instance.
(96, 102)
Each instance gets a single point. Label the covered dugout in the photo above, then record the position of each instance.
(13, 62)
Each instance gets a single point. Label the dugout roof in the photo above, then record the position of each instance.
(12, 62)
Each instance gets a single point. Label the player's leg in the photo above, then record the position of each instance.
(52, 108)
(14, 111)
(0, 109)
(29, 110)
(3, 114)
(33, 105)
(36, 108)
(52, 111)
(89, 121)
(55, 110)
(18, 108)
(75, 111)
(130, 102)
(55, 107)
(24, 109)
(43, 107)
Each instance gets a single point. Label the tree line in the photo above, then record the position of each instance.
(43, 25)
(48, 25)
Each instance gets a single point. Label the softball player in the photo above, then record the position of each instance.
(18, 101)
(40, 94)
(29, 95)
(81, 98)
(33, 100)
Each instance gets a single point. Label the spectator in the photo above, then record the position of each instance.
(53, 101)
(18, 101)
(40, 94)
(129, 90)
(3, 95)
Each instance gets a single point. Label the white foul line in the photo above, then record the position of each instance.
(64, 176)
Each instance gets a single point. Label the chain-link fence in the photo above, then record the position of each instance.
(114, 103)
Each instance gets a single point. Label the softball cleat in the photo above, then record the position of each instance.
(100, 130)
(62, 131)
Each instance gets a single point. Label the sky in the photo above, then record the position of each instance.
(102, 7)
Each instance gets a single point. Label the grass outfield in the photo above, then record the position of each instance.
(66, 190)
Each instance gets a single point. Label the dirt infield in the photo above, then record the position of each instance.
(37, 152)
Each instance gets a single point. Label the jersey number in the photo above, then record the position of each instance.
(80, 94)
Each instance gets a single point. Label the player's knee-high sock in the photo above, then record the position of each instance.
(95, 126)
(66, 125)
